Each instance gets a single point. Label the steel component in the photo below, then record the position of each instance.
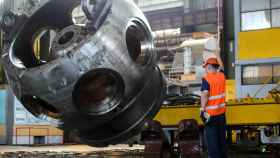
(102, 83)
(156, 143)
(187, 138)
(270, 135)
(275, 95)
(8, 20)
(96, 11)
(241, 112)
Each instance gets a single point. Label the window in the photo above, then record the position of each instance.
(260, 74)
(255, 20)
(202, 4)
(275, 4)
(20, 119)
(253, 5)
(276, 18)
(257, 75)
(20, 109)
(259, 14)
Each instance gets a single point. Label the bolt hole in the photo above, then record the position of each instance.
(99, 91)
(139, 42)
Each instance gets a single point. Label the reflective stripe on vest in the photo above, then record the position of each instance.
(217, 97)
(215, 107)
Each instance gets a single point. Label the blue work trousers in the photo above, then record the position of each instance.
(216, 137)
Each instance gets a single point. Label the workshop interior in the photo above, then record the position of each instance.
(125, 78)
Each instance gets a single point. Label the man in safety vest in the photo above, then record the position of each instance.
(213, 107)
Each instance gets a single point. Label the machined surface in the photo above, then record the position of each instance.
(99, 80)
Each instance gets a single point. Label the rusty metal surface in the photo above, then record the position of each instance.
(187, 138)
(155, 141)
(99, 80)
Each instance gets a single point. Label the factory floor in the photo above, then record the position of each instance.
(83, 151)
(71, 151)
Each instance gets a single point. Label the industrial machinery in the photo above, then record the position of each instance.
(96, 76)
(99, 80)
(250, 122)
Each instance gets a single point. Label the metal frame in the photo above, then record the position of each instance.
(237, 23)
(258, 61)
(260, 64)
(250, 89)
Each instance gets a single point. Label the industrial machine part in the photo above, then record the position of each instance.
(188, 99)
(240, 112)
(156, 143)
(249, 120)
(275, 95)
(100, 79)
(187, 138)
(270, 135)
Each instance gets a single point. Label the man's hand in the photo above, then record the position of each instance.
(205, 117)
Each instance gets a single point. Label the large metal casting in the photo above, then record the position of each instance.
(100, 80)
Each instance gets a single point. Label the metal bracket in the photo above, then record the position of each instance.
(269, 140)
(8, 20)
(96, 11)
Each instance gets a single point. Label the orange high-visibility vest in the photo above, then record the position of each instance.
(216, 104)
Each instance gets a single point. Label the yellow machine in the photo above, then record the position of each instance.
(239, 112)
(263, 114)
(247, 111)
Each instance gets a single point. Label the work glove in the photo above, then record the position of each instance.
(204, 116)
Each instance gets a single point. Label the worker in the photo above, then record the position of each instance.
(213, 107)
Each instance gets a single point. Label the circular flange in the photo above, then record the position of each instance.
(98, 92)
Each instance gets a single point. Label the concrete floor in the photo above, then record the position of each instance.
(68, 148)
(78, 151)
(71, 151)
